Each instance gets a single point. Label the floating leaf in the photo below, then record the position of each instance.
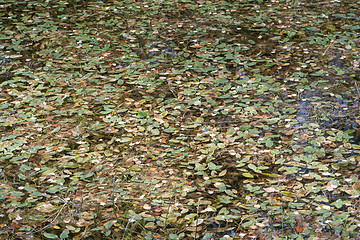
(247, 175)
(254, 168)
(197, 222)
(222, 173)
(124, 140)
(213, 166)
(50, 236)
(170, 130)
(64, 234)
(338, 203)
(231, 131)
(46, 207)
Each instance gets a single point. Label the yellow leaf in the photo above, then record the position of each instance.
(270, 190)
(222, 173)
(248, 175)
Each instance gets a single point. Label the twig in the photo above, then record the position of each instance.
(96, 165)
(113, 200)
(196, 220)
(166, 217)
(49, 225)
(171, 90)
(357, 89)
(331, 43)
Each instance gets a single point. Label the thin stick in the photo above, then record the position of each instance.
(196, 220)
(113, 199)
(357, 89)
(166, 217)
(49, 225)
(171, 89)
(331, 43)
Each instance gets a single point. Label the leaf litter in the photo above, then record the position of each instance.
(179, 120)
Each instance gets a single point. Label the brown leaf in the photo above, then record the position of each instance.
(299, 229)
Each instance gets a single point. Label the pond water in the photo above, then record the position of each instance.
(167, 119)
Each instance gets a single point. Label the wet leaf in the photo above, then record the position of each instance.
(46, 207)
(50, 236)
(156, 115)
(64, 234)
(247, 175)
(338, 203)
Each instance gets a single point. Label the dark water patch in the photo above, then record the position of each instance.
(5, 70)
(151, 49)
(328, 110)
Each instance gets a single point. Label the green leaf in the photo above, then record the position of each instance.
(174, 236)
(155, 131)
(213, 166)
(231, 131)
(170, 130)
(4, 106)
(269, 143)
(190, 216)
(339, 203)
(199, 167)
(221, 145)
(50, 236)
(22, 176)
(124, 140)
(248, 223)
(220, 217)
(69, 165)
(109, 224)
(226, 87)
(64, 234)
(248, 175)
(97, 228)
(254, 168)
(225, 199)
(54, 189)
(142, 114)
(208, 236)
